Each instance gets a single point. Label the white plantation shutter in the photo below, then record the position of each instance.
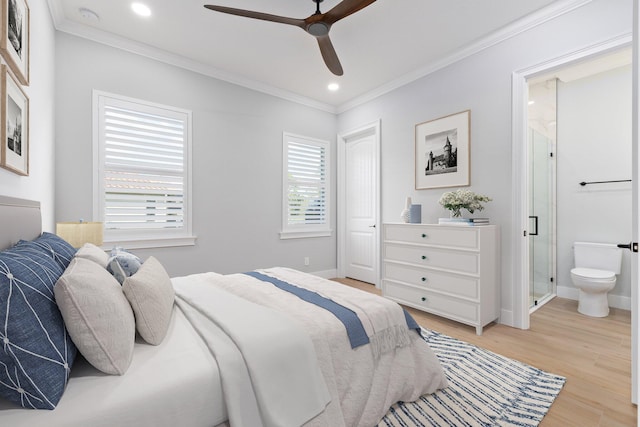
(306, 187)
(144, 168)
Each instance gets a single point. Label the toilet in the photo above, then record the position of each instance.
(596, 267)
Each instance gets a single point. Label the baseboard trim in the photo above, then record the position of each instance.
(615, 301)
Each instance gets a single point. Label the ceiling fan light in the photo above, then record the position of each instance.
(318, 29)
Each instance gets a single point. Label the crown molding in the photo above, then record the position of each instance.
(99, 36)
(57, 14)
(526, 23)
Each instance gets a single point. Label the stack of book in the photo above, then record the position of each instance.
(464, 221)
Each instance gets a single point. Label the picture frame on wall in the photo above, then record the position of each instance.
(15, 37)
(14, 126)
(442, 152)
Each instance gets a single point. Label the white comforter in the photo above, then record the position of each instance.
(362, 383)
(265, 385)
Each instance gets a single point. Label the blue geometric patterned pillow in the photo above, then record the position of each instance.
(56, 247)
(36, 353)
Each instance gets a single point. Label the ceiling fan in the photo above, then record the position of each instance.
(317, 25)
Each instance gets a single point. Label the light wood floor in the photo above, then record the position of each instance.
(594, 354)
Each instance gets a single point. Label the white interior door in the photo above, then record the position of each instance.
(361, 219)
(359, 204)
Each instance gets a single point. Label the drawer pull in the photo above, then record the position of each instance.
(424, 257)
(423, 299)
(424, 279)
(424, 235)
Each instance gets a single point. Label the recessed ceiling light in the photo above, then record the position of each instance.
(141, 9)
(532, 102)
(333, 87)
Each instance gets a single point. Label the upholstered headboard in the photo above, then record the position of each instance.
(19, 219)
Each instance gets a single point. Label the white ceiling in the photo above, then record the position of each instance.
(386, 44)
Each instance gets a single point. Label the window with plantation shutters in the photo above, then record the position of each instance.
(306, 187)
(142, 185)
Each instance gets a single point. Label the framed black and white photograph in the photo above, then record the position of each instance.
(14, 129)
(14, 40)
(442, 152)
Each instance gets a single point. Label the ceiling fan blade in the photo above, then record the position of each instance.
(257, 15)
(344, 9)
(329, 55)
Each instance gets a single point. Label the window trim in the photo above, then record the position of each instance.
(305, 230)
(140, 239)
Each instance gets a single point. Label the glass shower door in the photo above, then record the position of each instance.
(541, 217)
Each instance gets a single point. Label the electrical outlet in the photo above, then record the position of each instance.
(306, 260)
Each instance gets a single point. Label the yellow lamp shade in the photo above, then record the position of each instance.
(79, 233)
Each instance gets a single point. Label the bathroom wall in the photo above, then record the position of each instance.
(594, 144)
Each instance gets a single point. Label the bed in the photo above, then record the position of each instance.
(270, 347)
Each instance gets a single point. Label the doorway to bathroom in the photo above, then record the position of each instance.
(595, 153)
(579, 170)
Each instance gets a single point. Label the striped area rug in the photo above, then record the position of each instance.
(485, 389)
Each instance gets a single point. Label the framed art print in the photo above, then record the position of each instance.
(15, 37)
(14, 129)
(442, 152)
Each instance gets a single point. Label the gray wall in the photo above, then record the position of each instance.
(237, 157)
(481, 83)
(39, 184)
(237, 139)
(594, 144)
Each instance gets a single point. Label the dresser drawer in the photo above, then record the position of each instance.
(433, 280)
(454, 236)
(449, 307)
(466, 262)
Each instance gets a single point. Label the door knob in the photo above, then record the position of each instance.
(632, 246)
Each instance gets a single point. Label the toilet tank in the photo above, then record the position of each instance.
(601, 256)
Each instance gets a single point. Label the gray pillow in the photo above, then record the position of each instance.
(93, 253)
(151, 296)
(122, 264)
(97, 315)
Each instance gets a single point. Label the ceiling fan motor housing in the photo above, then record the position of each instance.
(318, 29)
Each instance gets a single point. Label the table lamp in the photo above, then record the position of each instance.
(79, 233)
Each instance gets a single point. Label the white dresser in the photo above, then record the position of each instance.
(451, 271)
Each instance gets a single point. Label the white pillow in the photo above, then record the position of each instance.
(97, 315)
(94, 253)
(151, 296)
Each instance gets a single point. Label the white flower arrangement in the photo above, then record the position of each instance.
(462, 199)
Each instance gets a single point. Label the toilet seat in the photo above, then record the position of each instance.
(593, 274)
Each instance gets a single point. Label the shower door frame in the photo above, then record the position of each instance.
(551, 220)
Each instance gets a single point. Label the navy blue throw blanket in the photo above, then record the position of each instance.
(355, 330)
(411, 322)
